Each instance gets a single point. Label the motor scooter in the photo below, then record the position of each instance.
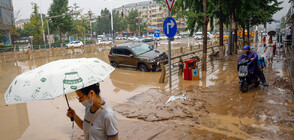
(247, 79)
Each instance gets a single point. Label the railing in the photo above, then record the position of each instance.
(186, 56)
(39, 52)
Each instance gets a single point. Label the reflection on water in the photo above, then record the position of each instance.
(130, 80)
(47, 118)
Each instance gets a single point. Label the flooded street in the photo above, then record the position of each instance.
(215, 108)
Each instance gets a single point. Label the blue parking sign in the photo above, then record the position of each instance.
(170, 27)
(195, 72)
(157, 33)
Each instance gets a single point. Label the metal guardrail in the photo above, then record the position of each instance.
(26, 53)
(187, 56)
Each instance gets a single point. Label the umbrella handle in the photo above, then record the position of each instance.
(71, 118)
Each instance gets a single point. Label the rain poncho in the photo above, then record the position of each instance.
(250, 55)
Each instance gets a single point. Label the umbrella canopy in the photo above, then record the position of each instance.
(55, 79)
(271, 33)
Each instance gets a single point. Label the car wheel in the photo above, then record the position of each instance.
(143, 68)
(114, 64)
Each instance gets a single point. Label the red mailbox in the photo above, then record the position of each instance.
(188, 66)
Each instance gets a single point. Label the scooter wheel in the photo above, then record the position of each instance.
(244, 87)
(256, 84)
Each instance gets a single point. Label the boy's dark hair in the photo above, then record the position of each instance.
(94, 87)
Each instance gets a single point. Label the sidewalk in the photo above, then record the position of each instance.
(215, 108)
(289, 52)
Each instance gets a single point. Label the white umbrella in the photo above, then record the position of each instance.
(55, 79)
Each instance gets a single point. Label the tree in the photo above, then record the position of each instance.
(25, 32)
(119, 23)
(283, 22)
(77, 22)
(3, 38)
(13, 32)
(61, 24)
(133, 19)
(198, 14)
(35, 24)
(103, 23)
(255, 12)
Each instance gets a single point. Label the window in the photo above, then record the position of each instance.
(117, 51)
(121, 51)
(142, 49)
(126, 52)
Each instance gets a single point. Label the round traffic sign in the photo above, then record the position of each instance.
(170, 27)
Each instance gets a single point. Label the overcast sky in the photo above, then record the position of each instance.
(25, 6)
(96, 5)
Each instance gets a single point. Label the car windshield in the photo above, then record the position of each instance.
(142, 49)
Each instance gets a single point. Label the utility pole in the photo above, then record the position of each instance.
(44, 39)
(90, 14)
(112, 26)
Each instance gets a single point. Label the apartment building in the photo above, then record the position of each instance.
(152, 13)
(6, 19)
(20, 23)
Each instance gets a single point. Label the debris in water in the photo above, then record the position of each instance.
(173, 98)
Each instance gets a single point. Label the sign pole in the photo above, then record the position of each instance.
(169, 59)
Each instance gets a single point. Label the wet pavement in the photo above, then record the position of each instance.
(215, 108)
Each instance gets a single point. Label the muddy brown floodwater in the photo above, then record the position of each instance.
(214, 109)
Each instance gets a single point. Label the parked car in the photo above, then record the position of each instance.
(137, 55)
(177, 37)
(75, 44)
(199, 35)
(163, 37)
(145, 40)
(118, 38)
(103, 42)
(132, 38)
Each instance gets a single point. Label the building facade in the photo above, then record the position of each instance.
(6, 19)
(151, 13)
(289, 41)
(290, 22)
(20, 23)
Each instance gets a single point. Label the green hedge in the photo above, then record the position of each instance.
(8, 48)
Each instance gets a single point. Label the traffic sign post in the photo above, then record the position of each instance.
(157, 33)
(170, 30)
(170, 27)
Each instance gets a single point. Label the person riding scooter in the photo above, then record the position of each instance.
(253, 57)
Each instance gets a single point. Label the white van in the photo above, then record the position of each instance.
(199, 35)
